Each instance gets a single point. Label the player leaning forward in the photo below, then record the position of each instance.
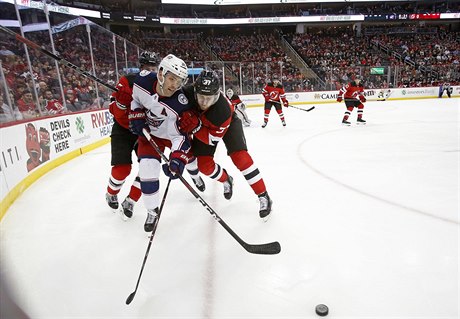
(213, 120)
(158, 102)
(353, 93)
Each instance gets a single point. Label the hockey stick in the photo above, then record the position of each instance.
(306, 110)
(62, 61)
(262, 249)
(131, 296)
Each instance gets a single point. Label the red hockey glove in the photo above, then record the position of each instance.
(177, 162)
(137, 122)
(339, 99)
(189, 122)
(362, 98)
(286, 103)
(123, 96)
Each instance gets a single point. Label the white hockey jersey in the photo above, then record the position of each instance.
(162, 113)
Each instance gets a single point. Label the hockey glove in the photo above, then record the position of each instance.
(362, 98)
(286, 103)
(123, 96)
(177, 162)
(339, 99)
(189, 122)
(137, 122)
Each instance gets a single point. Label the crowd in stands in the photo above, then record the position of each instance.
(409, 56)
(30, 92)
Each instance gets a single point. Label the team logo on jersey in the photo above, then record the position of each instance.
(144, 72)
(154, 120)
(182, 99)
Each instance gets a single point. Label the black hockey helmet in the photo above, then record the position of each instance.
(207, 83)
(148, 57)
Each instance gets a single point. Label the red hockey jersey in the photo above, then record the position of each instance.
(274, 93)
(352, 91)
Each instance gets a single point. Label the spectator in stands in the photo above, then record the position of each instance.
(72, 102)
(8, 113)
(27, 106)
(51, 105)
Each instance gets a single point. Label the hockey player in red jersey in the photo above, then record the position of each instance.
(214, 120)
(274, 95)
(353, 93)
(123, 142)
(240, 107)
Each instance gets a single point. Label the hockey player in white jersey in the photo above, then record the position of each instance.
(157, 104)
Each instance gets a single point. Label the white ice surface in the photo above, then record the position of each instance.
(367, 217)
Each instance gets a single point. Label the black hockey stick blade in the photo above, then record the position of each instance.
(130, 298)
(299, 108)
(264, 249)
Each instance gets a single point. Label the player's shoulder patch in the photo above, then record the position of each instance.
(144, 73)
(182, 99)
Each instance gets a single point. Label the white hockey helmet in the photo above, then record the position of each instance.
(229, 93)
(176, 66)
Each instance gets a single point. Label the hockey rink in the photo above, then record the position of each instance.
(367, 218)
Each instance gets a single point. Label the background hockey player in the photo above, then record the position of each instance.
(445, 87)
(123, 141)
(353, 93)
(240, 107)
(158, 102)
(384, 94)
(214, 120)
(274, 95)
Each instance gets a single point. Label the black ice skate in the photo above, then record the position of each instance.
(265, 124)
(228, 187)
(152, 215)
(346, 123)
(284, 122)
(128, 207)
(360, 121)
(265, 206)
(199, 183)
(112, 200)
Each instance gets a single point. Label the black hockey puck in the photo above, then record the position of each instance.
(322, 310)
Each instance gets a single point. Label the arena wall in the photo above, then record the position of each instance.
(296, 98)
(69, 136)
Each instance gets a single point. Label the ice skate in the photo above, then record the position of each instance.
(152, 215)
(284, 122)
(112, 201)
(265, 206)
(346, 123)
(265, 124)
(127, 208)
(228, 187)
(360, 121)
(199, 183)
